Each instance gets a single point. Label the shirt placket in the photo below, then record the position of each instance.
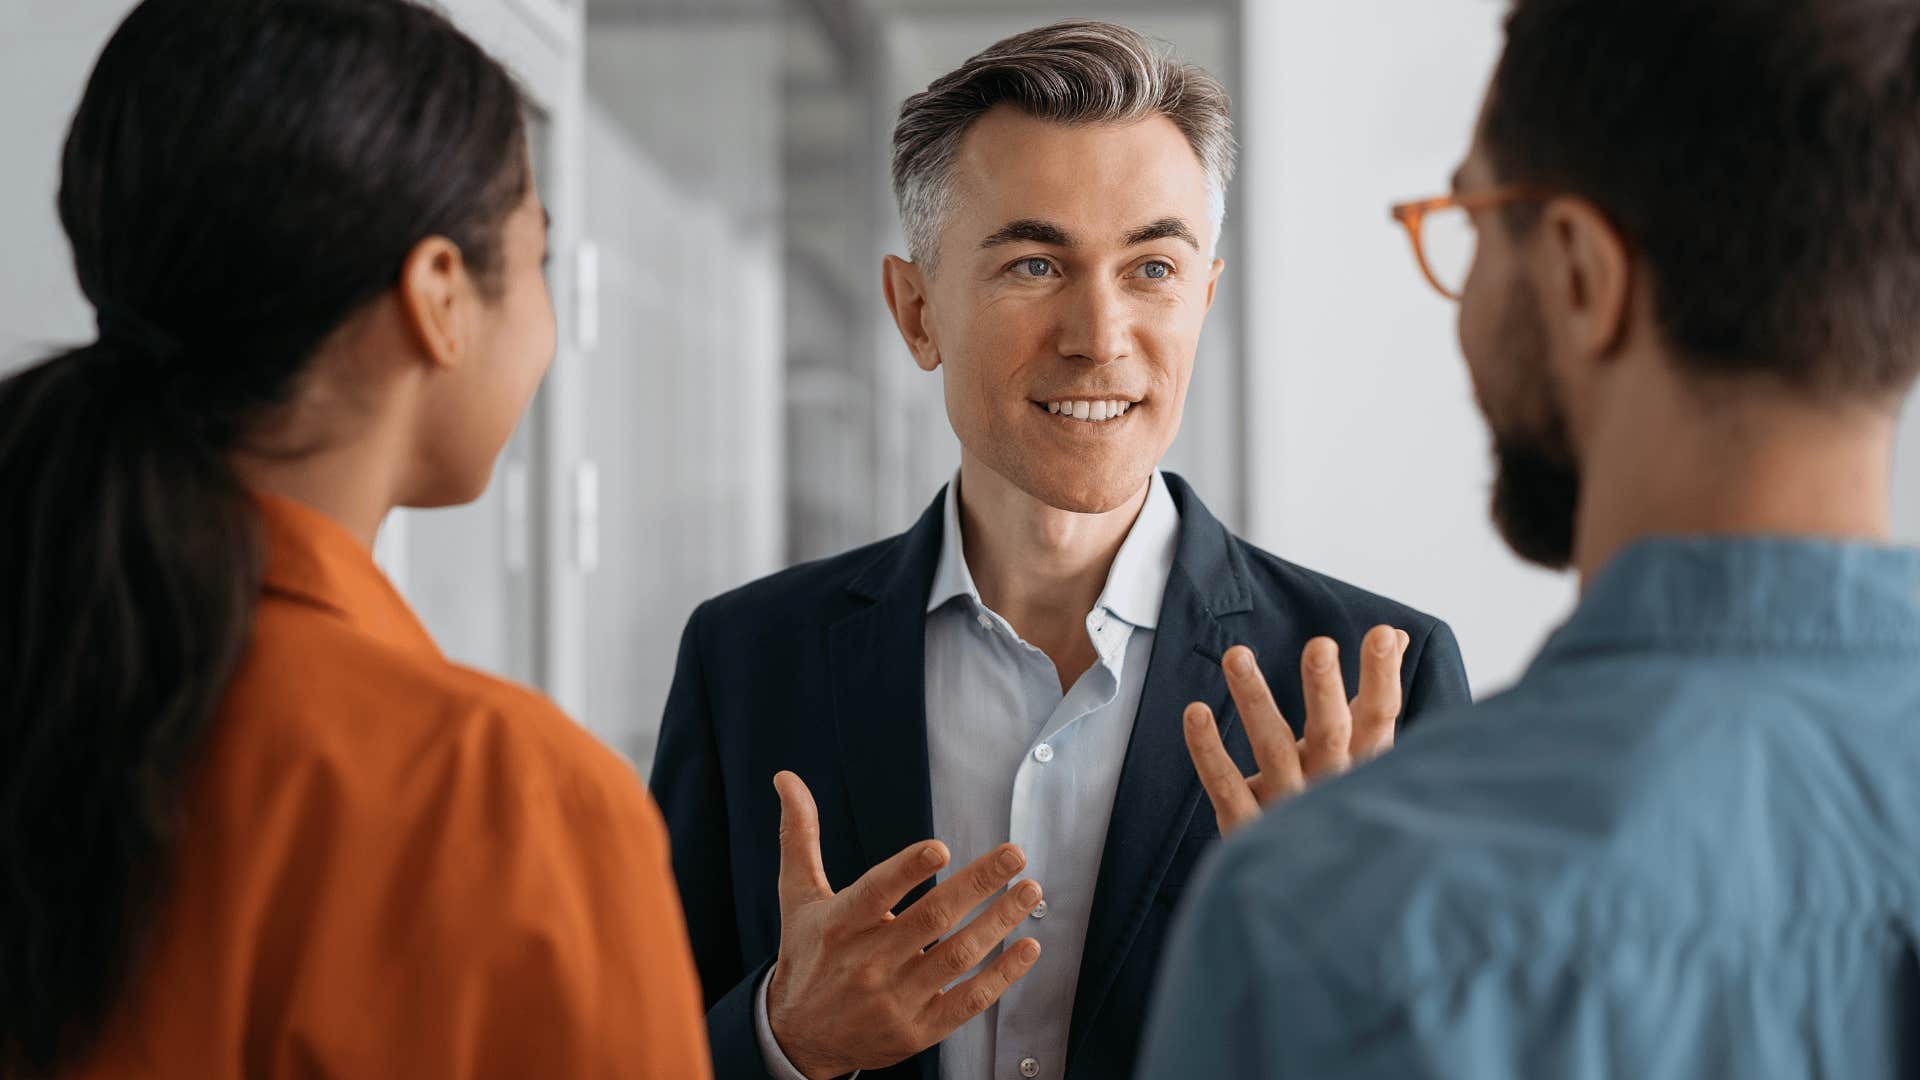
(1042, 822)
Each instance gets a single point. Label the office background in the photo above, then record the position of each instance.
(730, 396)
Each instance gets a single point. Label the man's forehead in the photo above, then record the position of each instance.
(1095, 181)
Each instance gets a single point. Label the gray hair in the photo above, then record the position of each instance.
(1078, 72)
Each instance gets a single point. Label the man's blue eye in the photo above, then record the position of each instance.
(1156, 271)
(1037, 267)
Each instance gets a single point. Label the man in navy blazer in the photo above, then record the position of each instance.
(931, 801)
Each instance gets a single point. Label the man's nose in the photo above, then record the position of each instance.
(1097, 325)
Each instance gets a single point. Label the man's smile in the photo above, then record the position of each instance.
(1087, 411)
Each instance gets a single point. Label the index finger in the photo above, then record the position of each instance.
(1230, 793)
(873, 896)
(1273, 742)
(929, 919)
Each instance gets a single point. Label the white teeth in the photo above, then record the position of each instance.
(1093, 412)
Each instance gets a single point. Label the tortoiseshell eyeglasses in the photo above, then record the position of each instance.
(1442, 231)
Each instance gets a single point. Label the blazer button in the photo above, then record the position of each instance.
(1029, 1067)
(1043, 753)
(1039, 910)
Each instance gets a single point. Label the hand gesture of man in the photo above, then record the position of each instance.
(857, 988)
(1339, 732)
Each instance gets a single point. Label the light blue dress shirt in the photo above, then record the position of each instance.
(1686, 844)
(1011, 758)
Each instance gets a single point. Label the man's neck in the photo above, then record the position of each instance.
(1041, 568)
(1674, 465)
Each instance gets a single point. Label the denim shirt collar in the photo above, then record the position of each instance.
(1753, 594)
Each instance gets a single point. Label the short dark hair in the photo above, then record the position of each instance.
(1762, 156)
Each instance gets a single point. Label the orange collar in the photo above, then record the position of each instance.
(312, 559)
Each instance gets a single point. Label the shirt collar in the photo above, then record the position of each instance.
(1136, 583)
(312, 559)
(1703, 594)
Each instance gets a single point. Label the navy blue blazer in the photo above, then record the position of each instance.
(820, 669)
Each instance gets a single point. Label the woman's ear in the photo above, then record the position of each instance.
(437, 298)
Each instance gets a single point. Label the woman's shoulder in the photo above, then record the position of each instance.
(312, 693)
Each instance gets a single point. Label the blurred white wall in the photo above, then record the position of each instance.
(47, 48)
(1368, 457)
(686, 385)
(1906, 477)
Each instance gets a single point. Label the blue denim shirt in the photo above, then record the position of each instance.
(1687, 843)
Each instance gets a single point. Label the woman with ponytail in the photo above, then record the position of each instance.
(252, 823)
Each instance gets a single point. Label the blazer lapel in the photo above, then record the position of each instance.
(878, 660)
(1158, 789)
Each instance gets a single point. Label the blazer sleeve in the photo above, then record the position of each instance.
(688, 785)
(1436, 675)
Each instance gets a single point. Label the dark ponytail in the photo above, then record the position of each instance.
(242, 176)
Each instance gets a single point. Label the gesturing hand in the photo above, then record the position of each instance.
(1339, 733)
(857, 988)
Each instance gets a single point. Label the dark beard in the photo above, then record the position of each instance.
(1536, 494)
(1536, 486)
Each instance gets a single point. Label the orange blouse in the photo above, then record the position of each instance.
(394, 866)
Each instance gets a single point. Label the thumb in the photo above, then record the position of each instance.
(803, 878)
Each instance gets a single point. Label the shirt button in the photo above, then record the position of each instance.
(986, 622)
(1029, 1067)
(1040, 910)
(1043, 753)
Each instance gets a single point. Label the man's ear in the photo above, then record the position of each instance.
(1213, 281)
(1588, 272)
(905, 284)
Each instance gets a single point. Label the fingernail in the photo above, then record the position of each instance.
(929, 856)
(1318, 661)
(1033, 949)
(1028, 893)
(1241, 661)
(1010, 861)
(1384, 646)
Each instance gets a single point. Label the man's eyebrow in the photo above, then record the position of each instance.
(1029, 231)
(1167, 228)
